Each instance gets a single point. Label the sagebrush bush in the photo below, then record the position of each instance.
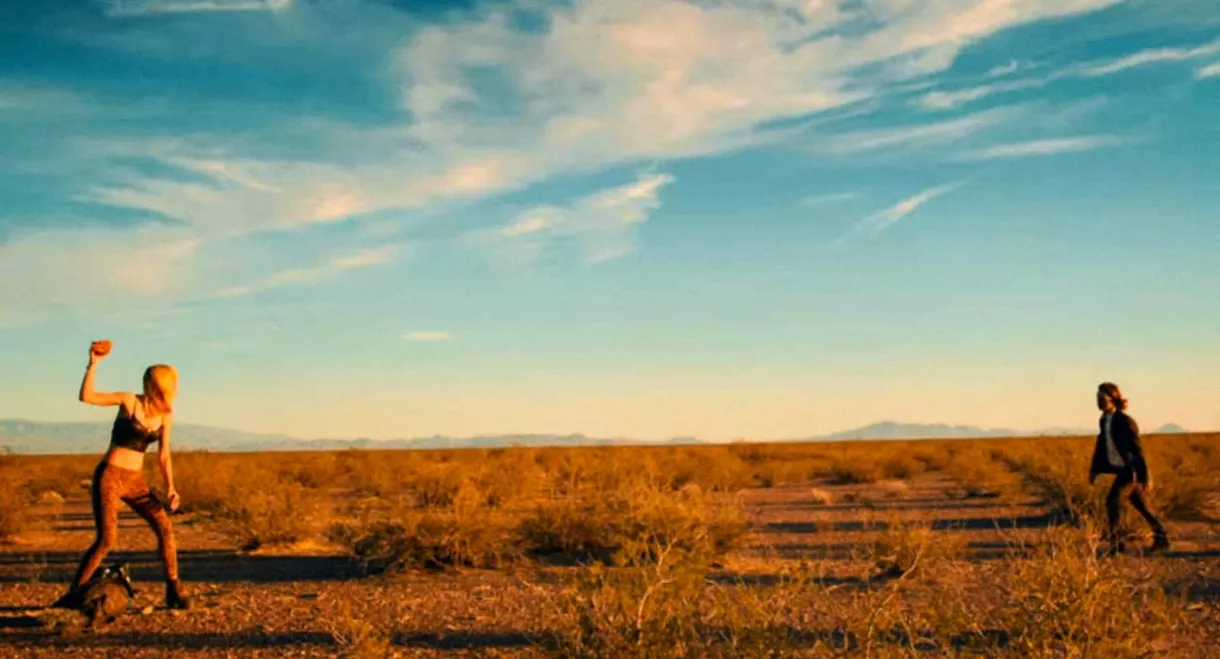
(904, 549)
(582, 530)
(14, 507)
(437, 486)
(978, 474)
(851, 472)
(466, 535)
(1066, 602)
(666, 609)
(901, 467)
(357, 638)
(275, 513)
(609, 525)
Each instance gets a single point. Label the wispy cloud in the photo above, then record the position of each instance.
(882, 220)
(949, 100)
(1045, 147)
(1209, 71)
(828, 198)
(916, 135)
(1145, 57)
(427, 336)
(952, 99)
(298, 276)
(603, 222)
(1004, 69)
(147, 7)
(610, 82)
(94, 268)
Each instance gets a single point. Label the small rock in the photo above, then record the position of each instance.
(51, 497)
(147, 611)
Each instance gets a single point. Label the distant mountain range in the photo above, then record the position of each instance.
(896, 430)
(20, 436)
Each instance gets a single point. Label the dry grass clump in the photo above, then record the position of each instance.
(852, 472)
(252, 504)
(356, 637)
(978, 474)
(14, 507)
(906, 548)
(901, 467)
(1066, 602)
(1058, 473)
(666, 609)
(431, 539)
(772, 474)
(599, 528)
(436, 485)
(582, 530)
(715, 469)
(64, 480)
(892, 489)
(1185, 477)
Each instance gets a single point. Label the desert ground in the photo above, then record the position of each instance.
(986, 548)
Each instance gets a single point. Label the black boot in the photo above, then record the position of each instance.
(73, 599)
(1160, 543)
(173, 596)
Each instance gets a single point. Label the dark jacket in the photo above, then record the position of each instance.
(1126, 435)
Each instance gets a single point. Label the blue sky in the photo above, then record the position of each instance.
(631, 218)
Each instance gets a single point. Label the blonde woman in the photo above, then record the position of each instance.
(142, 420)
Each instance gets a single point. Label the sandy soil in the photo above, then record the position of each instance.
(287, 603)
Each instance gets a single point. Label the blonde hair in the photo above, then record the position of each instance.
(160, 387)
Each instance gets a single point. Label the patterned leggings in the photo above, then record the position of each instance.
(111, 485)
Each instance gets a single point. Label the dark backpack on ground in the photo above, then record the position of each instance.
(108, 594)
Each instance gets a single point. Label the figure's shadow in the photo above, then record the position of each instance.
(207, 566)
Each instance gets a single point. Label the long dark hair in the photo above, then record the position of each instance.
(1111, 391)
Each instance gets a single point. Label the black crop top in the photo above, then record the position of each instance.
(129, 433)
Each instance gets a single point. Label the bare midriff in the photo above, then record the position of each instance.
(125, 458)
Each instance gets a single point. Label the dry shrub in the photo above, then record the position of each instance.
(255, 504)
(580, 529)
(1182, 496)
(312, 470)
(689, 520)
(597, 528)
(63, 480)
(771, 474)
(369, 475)
(437, 485)
(666, 610)
(14, 507)
(893, 489)
(1065, 602)
(509, 478)
(1058, 474)
(715, 469)
(853, 472)
(358, 638)
(935, 456)
(901, 467)
(468, 534)
(280, 512)
(906, 548)
(978, 474)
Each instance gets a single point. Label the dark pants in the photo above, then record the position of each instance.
(1124, 483)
